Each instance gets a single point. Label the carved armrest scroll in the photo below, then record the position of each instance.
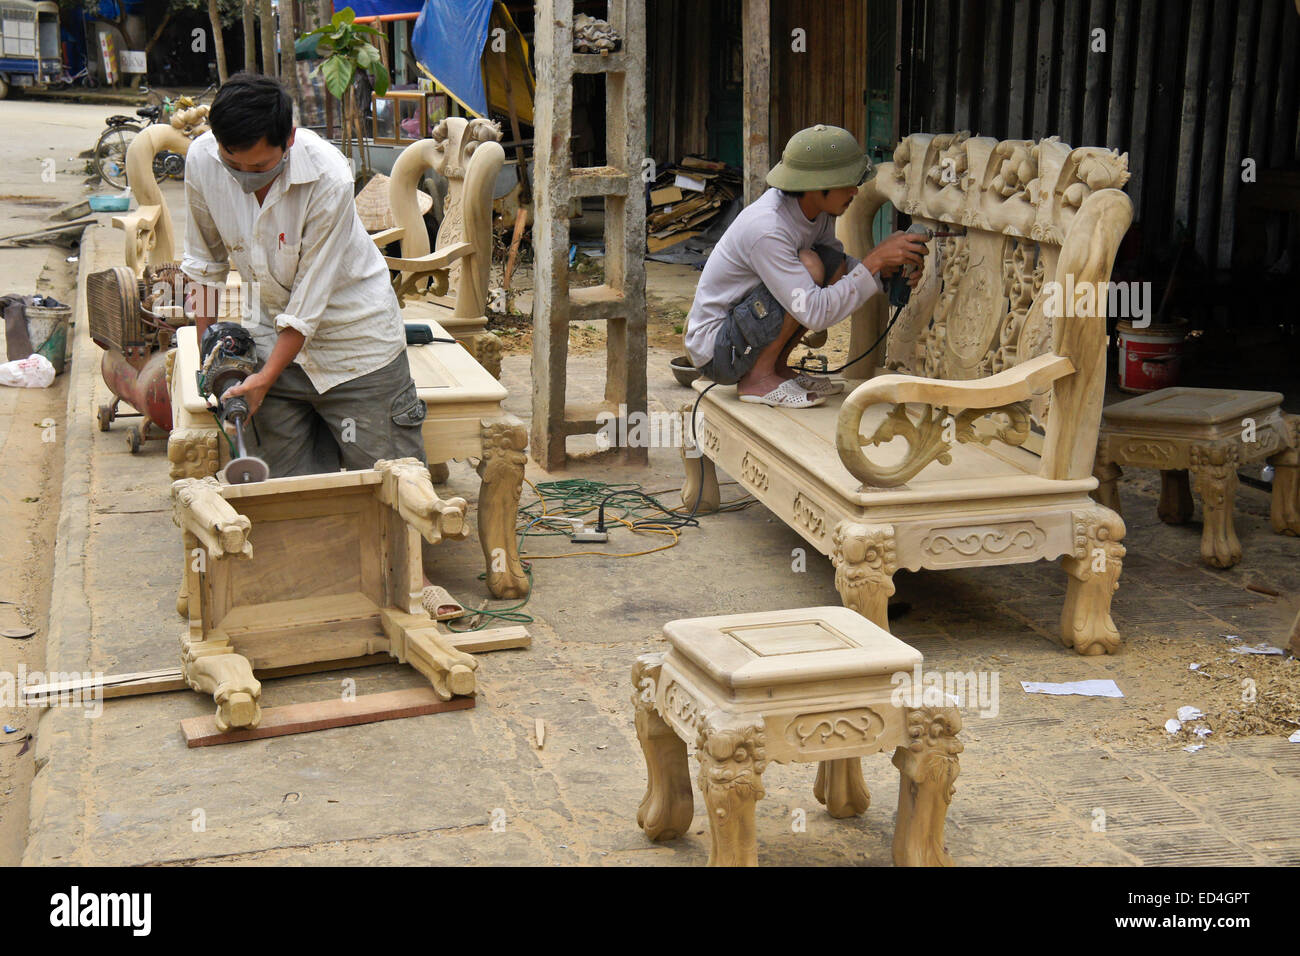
(408, 489)
(199, 508)
(435, 264)
(951, 410)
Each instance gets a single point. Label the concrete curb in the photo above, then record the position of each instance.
(56, 818)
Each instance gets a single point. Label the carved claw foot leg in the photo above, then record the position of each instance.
(668, 806)
(1107, 493)
(732, 758)
(701, 481)
(1094, 570)
(927, 768)
(502, 472)
(1285, 513)
(1175, 506)
(840, 787)
(486, 349)
(1214, 478)
(865, 562)
(214, 668)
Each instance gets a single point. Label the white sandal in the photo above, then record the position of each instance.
(786, 395)
(818, 386)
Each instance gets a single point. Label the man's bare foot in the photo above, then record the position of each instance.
(762, 385)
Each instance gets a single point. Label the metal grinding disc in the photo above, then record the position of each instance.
(246, 470)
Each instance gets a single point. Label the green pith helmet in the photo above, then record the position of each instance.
(820, 157)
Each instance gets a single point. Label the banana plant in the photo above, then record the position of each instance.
(347, 50)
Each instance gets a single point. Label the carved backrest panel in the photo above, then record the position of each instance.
(980, 307)
(455, 140)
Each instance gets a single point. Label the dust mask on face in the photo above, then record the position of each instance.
(251, 182)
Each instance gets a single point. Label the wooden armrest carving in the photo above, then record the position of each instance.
(198, 508)
(951, 410)
(386, 236)
(408, 489)
(435, 264)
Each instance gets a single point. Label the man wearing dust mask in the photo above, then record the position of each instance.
(276, 203)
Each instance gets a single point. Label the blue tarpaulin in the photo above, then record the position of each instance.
(379, 8)
(448, 42)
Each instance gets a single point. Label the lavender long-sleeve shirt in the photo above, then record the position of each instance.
(763, 245)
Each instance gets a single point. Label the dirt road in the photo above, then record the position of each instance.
(39, 172)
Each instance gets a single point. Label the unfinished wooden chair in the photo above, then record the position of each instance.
(467, 153)
(990, 417)
(337, 573)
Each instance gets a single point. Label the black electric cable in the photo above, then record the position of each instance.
(830, 371)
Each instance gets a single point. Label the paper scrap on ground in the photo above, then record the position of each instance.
(1083, 688)
(1189, 713)
(1295, 737)
(1173, 725)
(1192, 748)
(1193, 667)
(1257, 649)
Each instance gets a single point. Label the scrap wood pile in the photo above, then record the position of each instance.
(686, 197)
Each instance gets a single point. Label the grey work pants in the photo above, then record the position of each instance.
(300, 431)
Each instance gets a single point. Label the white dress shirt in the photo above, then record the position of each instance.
(305, 259)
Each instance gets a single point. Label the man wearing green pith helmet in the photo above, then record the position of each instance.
(779, 272)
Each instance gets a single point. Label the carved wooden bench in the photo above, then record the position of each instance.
(990, 420)
(1210, 432)
(467, 153)
(336, 573)
(816, 685)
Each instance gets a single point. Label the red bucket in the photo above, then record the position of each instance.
(1150, 358)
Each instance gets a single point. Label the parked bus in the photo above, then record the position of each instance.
(29, 44)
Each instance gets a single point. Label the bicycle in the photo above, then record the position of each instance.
(111, 147)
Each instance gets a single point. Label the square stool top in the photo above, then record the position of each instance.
(1190, 406)
(768, 648)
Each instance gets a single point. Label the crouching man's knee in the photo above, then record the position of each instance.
(813, 263)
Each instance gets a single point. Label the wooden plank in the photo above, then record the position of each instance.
(1143, 80)
(1264, 85)
(941, 113)
(1214, 119)
(168, 679)
(1016, 128)
(1044, 55)
(324, 715)
(1074, 46)
(1234, 138)
(1094, 93)
(1285, 117)
(1193, 77)
(993, 89)
(969, 43)
(493, 639)
(1120, 40)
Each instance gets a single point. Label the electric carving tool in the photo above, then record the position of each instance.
(227, 356)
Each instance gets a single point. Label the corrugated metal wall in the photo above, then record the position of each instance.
(1188, 88)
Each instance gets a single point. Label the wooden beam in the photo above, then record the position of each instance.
(169, 679)
(756, 32)
(324, 715)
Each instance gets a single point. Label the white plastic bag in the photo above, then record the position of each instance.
(35, 371)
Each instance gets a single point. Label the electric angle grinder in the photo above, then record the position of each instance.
(227, 356)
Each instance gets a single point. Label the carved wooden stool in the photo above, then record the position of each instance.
(811, 684)
(1210, 432)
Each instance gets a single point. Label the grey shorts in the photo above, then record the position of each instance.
(300, 431)
(751, 325)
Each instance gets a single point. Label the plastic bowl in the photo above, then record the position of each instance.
(684, 370)
(110, 203)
